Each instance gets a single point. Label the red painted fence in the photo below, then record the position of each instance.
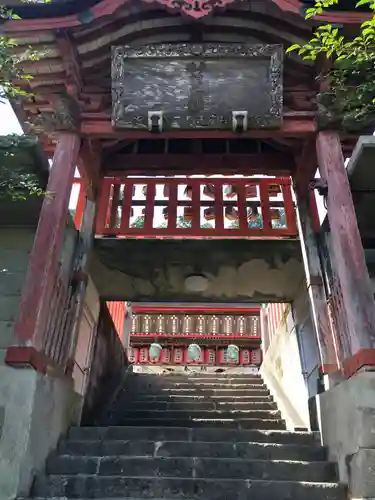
(196, 207)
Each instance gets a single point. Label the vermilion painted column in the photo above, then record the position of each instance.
(34, 304)
(348, 258)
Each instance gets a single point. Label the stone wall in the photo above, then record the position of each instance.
(243, 271)
(347, 422)
(36, 410)
(15, 247)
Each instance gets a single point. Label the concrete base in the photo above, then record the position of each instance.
(347, 422)
(34, 411)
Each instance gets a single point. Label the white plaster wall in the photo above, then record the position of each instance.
(282, 372)
(86, 337)
(35, 411)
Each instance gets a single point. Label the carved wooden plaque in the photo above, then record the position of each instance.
(197, 86)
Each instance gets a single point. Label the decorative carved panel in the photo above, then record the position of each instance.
(192, 8)
(197, 86)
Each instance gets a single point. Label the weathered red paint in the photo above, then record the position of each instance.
(193, 206)
(34, 304)
(29, 357)
(363, 358)
(291, 127)
(348, 259)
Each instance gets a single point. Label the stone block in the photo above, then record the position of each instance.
(362, 474)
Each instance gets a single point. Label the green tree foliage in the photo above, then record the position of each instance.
(15, 183)
(351, 99)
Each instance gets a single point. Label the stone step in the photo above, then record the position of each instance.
(186, 467)
(197, 375)
(229, 423)
(105, 487)
(231, 400)
(203, 392)
(203, 404)
(215, 380)
(127, 413)
(247, 450)
(175, 386)
(211, 434)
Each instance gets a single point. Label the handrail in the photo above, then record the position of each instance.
(196, 207)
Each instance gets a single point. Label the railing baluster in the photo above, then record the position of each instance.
(114, 206)
(81, 202)
(101, 225)
(126, 207)
(172, 206)
(219, 206)
(242, 209)
(290, 214)
(150, 203)
(196, 206)
(265, 205)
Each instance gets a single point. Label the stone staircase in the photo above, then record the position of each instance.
(201, 437)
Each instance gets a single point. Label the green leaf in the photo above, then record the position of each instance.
(293, 47)
(363, 2)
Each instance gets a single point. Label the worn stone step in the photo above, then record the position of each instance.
(127, 413)
(210, 434)
(248, 450)
(200, 405)
(219, 380)
(230, 423)
(205, 386)
(85, 487)
(192, 467)
(203, 392)
(231, 400)
(193, 385)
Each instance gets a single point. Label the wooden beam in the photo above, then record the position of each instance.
(110, 7)
(170, 164)
(89, 166)
(291, 127)
(348, 256)
(69, 54)
(307, 165)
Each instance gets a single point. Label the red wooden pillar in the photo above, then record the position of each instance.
(349, 259)
(34, 306)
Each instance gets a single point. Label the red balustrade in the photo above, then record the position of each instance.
(196, 207)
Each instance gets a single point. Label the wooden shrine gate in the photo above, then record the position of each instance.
(211, 207)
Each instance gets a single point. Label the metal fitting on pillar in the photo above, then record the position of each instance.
(239, 121)
(155, 121)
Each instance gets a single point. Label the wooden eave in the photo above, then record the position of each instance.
(105, 8)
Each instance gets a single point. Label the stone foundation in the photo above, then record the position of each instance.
(35, 411)
(347, 422)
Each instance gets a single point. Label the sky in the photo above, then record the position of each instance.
(9, 124)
